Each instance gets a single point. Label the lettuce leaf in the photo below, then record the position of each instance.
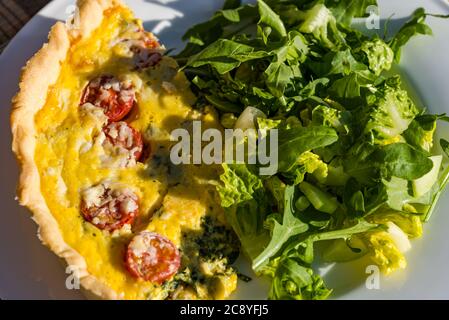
(380, 56)
(293, 281)
(239, 184)
(389, 112)
(385, 253)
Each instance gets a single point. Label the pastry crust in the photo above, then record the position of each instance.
(38, 75)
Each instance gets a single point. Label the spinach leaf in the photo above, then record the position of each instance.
(350, 86)
(225, 55)
(368, 163)
(402, 161)
(268, 18)
(343, 62)
(353, 198)
(359, 163)
(295, 141)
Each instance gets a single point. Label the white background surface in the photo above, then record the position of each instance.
(30, 271)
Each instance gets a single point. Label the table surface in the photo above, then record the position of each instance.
(14, 14)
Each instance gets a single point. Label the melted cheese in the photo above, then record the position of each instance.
(69, 147)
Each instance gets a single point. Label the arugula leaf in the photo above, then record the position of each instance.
(360, 227)
(416, 25)
(282, 232)
(223, 105)
(285, 68)
(225, 23)
(304, 249)
(311, 88)
(231, 15)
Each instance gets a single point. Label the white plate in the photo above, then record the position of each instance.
(30, 271)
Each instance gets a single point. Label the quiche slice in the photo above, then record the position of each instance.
(91, 129)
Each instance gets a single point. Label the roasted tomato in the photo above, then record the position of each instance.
(152, 257)
(116, 98)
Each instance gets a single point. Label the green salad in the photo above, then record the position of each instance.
(359, 169)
